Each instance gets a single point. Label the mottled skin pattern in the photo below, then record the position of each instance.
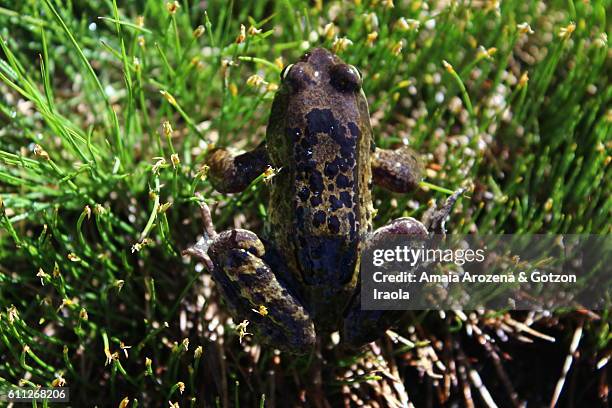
(323, 147)
(305, 270)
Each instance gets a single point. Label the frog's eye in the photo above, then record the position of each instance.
(296, 77)
(345, 78)
(285, 72)
(356, 71)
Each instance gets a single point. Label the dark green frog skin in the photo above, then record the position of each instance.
(304, 271)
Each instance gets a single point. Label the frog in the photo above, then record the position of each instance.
(299, 281)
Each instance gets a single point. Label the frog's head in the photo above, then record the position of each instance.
(321, 70)
(319, 112)
(319, 80)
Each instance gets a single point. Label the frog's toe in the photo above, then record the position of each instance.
(435, 218)
(200, 250)
(254, 292)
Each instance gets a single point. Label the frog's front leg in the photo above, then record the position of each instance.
(232, 173)
(397, 170)
(251, 289)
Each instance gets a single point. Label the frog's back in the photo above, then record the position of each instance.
(319, 135)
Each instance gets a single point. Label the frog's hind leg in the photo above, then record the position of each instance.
(251, 288)
(364, 326)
